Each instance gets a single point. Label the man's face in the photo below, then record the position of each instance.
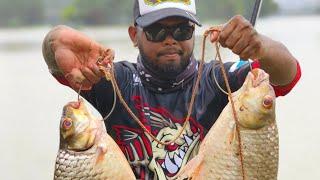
(168, 56)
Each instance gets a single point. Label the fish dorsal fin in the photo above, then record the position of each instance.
(191, 169)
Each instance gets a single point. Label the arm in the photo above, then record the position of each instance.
(239, 36)
(276, 60)
(71, 57)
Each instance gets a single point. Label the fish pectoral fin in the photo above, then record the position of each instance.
(233, 142)
(191, 169)
(233, 136)
(101, 151)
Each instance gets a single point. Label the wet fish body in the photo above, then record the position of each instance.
(86, 150)
(219, 156)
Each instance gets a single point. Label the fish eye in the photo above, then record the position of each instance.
(67, 123)
(267, 102)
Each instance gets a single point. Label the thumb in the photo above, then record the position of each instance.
(215, 32)
(214, 36)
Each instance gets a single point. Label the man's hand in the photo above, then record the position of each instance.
(75, 56)
(239, 36)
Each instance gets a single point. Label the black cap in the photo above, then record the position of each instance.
(147, 12)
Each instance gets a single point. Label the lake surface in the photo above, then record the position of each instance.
(31, 100)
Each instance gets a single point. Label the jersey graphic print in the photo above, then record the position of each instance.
(150, 159)
(156, 2)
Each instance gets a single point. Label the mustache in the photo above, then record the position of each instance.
(170, 50)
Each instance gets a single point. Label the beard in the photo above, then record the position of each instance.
(166, 69)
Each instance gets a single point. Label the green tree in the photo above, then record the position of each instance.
(18, 13)
(100, 12)
(211, 10)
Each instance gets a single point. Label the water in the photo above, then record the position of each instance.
(31, 100)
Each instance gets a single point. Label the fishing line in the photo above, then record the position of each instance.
(215, 77)
(229, 93)
(79, 91)
(102, 69)
(113, 106)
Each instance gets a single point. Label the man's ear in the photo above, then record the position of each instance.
(133, 33)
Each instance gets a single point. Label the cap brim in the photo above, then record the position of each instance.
(155, 16)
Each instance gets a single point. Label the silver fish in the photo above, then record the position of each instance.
(86, 150)
(219, 156)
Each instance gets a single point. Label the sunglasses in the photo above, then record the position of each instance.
(158, 32)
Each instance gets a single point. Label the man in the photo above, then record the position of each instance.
(158, 87)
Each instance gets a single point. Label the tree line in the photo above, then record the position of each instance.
(102, 12)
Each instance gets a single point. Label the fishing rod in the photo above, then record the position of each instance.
(254, 16)
(255, 12)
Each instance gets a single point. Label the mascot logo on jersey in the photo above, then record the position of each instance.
(146, 156)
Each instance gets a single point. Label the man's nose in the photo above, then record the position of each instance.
(169, 40)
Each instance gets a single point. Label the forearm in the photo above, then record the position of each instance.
(278, 62)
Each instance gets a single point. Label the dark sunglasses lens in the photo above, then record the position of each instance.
(155, 33)
(158, 33)
(183, 33)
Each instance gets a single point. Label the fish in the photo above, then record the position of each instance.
(86, 151)
(219, 156)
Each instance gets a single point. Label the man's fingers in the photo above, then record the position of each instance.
(234, 37)
(90, 76)
(225, 33)
(77, 79)
(75, 76)
(244, 41)
(95, 69)
(235, 22)
(240, 46)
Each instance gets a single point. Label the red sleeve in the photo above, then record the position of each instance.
(282, 90)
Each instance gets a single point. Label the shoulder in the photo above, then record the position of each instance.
(125, 68)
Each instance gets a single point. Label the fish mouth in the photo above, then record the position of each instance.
(71, 106)
(178, 157)
(259, 77)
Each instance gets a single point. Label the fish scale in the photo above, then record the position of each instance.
(67, 162)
